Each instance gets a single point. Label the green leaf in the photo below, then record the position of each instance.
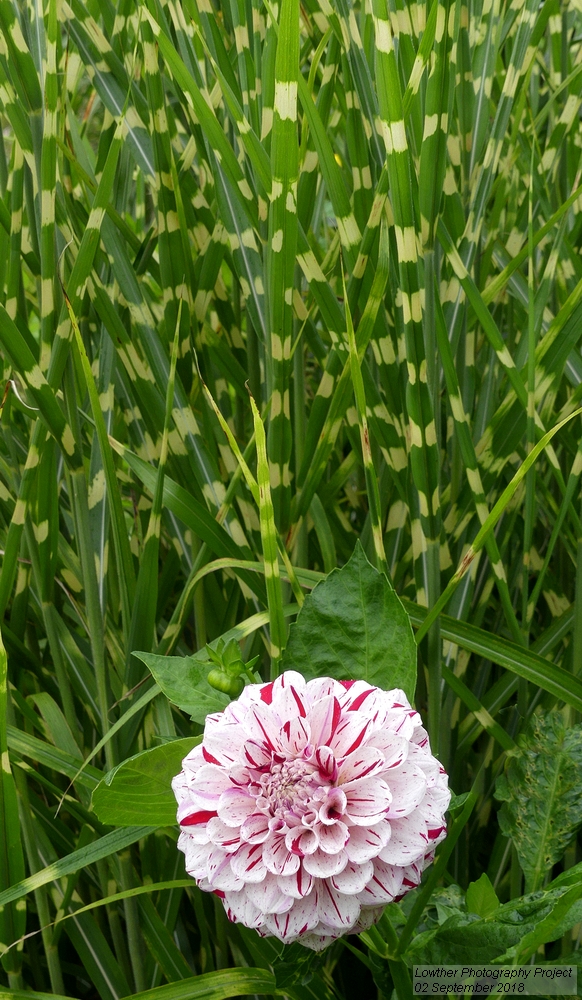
(468, 938)
(12, 918)
(140, 786)
(524, 662)
(541, 794)
(184, 682)
(211, 986)
(102, 848)
(562, 918)
(96, 957)
(353, 626)
(481, 897)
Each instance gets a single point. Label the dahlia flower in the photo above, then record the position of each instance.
(310, 805)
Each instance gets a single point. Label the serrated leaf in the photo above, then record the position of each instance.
(353, 626)
(541, 794)
(141, 786)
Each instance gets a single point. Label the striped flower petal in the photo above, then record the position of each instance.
(309, 806)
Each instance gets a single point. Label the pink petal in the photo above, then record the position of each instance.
(234, 806)
(241, 774)
(191, 764)
(256, 754)
(223, 743)
(278, 859)
(250, 695)
(326, 762)
(333, 807)
(301, 841)
(333, 838)
(420, 737)
(384, 886)
(335, 909)
(354, 877)
(197, 834)
(248, 863)
(263, 725)
(434, 806)
(196, 858)
(323, 687)
(294, 737)
(366, 843)
(408, 786)
(356, 695)
(412, 874)
(219, 872)
(400, 722)
(289, 696)
(255, 829)
(211, 779)
(267, 693)
(323, 865)
(290, 678)
(223, 836)
(368, 801)
(323, 719)
(369, 915)
(394, 747)
(189, 814)
(267, 895)
(349, 734)
(398, 699)
(408, 842)
(361, 764)
(240, 909)
(302, 917)
(298, 885)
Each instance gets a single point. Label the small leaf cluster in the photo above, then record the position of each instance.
(228, 668)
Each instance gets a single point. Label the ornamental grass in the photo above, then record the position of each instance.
(290, 324)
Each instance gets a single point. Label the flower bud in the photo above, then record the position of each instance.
(221, 681)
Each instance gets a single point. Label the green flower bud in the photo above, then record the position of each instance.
(221, 681)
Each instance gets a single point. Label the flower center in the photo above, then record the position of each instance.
(290, 787)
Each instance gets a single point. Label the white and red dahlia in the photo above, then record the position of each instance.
(310, 805)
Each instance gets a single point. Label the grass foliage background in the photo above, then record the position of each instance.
(369, 216)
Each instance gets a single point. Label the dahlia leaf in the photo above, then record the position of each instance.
(184, 682)
(353, 626)
(140, 786)
(481, 897)
(541, 794)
